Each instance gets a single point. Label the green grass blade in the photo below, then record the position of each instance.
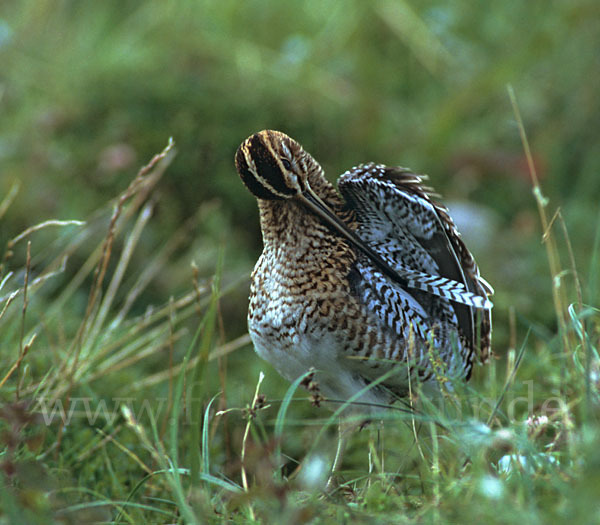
(197, 386)
(285, 404)
(510, 379)
(205, 437)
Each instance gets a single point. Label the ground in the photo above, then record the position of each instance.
(129, 391)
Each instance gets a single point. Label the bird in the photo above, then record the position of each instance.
(369, 287)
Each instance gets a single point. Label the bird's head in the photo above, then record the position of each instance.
(274, 166)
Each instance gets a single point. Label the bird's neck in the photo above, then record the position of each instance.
(287, 225)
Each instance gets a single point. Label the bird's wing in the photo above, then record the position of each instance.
(436, 278)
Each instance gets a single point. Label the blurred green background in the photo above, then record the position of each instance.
(89, 91)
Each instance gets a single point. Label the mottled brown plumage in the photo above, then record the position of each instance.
(377, 282)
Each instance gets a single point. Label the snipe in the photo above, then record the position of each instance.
(373, 281)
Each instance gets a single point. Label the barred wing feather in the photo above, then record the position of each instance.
(414, 235)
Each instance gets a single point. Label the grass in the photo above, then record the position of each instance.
(165, 452)
(129, 391)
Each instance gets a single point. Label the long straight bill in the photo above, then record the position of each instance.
(455, 291)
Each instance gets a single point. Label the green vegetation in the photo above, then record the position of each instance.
(129, 391)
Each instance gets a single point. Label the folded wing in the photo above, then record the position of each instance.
(436, 283)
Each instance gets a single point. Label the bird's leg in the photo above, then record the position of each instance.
(339, 453)
(375, 444)
(376, 462)
(380, 444)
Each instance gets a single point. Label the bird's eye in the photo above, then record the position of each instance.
(286, 164)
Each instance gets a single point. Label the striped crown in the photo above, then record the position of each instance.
(272, 165)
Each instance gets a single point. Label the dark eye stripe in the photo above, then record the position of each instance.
(249, 179)
(267, 166)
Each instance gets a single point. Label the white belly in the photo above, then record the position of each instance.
(294, 348)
